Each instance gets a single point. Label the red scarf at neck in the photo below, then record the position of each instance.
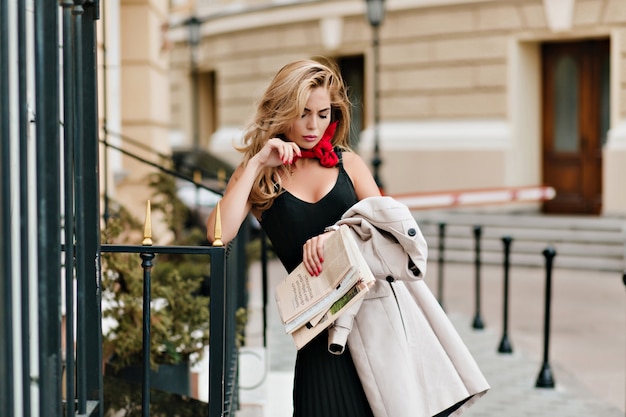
(324, 149)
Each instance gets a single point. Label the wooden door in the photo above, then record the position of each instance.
(575, 123)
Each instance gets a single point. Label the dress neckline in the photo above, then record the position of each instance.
(287, 192)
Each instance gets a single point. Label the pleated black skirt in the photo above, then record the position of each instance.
(327, 385)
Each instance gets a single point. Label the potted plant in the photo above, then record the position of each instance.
(179, 322)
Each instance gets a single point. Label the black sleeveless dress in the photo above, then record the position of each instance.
(325, 385)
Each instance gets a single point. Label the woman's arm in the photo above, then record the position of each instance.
(235, 204)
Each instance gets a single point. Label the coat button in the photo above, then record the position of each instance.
(390, 278)
(412, 232)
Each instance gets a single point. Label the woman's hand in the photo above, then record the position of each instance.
(277, 152)
(313, 253)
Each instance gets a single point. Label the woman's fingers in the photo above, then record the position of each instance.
(295, 149)
(310, 257)
(290, 151)
(285, 152)
(313, 254)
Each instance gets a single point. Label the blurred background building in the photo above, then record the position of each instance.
(472, 93)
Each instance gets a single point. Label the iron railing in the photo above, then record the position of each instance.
(33, 264)
(227, 280)
(50, 264)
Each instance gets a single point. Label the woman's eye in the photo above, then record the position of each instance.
(323, 116)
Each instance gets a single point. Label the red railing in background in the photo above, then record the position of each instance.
(485, 196)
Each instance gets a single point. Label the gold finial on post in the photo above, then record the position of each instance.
(147, 228)
(218, 227)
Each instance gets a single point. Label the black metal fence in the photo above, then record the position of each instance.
(50, 265)
(50, 201)
(227, 277)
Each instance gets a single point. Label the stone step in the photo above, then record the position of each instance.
(591, 243)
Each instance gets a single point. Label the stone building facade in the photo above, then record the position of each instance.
(473, 94)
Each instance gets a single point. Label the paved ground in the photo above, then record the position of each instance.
(587, 343)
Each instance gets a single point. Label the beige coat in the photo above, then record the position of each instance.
(409, 357)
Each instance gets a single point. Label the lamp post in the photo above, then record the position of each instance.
(375, 15)
(194, 24)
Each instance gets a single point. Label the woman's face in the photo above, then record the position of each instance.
(309, 127)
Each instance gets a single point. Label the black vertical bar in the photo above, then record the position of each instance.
(376, 160)
(217, 334)
(68, 185)
(478, 321)
(79, 178)
(235, 269)
(242, 242)
(231, 273)
(440, 261)
(545, 378)
(242, 295)
(505, 344)
(146, 264)
(105, 123)
(22, 62)
(6, 334)
(264, 283)
(92, 314)
(48, 205)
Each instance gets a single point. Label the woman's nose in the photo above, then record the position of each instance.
(311, 123)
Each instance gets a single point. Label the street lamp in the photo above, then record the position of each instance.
(375, 15)
(194, 24)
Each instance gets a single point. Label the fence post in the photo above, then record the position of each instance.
(47, 160)
(217, 325)
(442, 232)
(7, 388)
(146, 264)
(545, 379)
(505, 344)
(265, 283)
(478, 321)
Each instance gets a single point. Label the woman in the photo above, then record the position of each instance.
(298, 177)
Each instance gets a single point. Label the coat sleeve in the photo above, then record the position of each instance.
(339, 331)
(395, 250)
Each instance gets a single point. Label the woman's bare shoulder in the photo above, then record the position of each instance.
(351, 157)
(360, 174)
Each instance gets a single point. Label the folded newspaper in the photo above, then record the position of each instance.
(309, 304)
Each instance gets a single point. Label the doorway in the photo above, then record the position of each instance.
(576, 100)
(353, 73)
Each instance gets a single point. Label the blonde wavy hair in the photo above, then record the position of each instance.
(284, 100)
